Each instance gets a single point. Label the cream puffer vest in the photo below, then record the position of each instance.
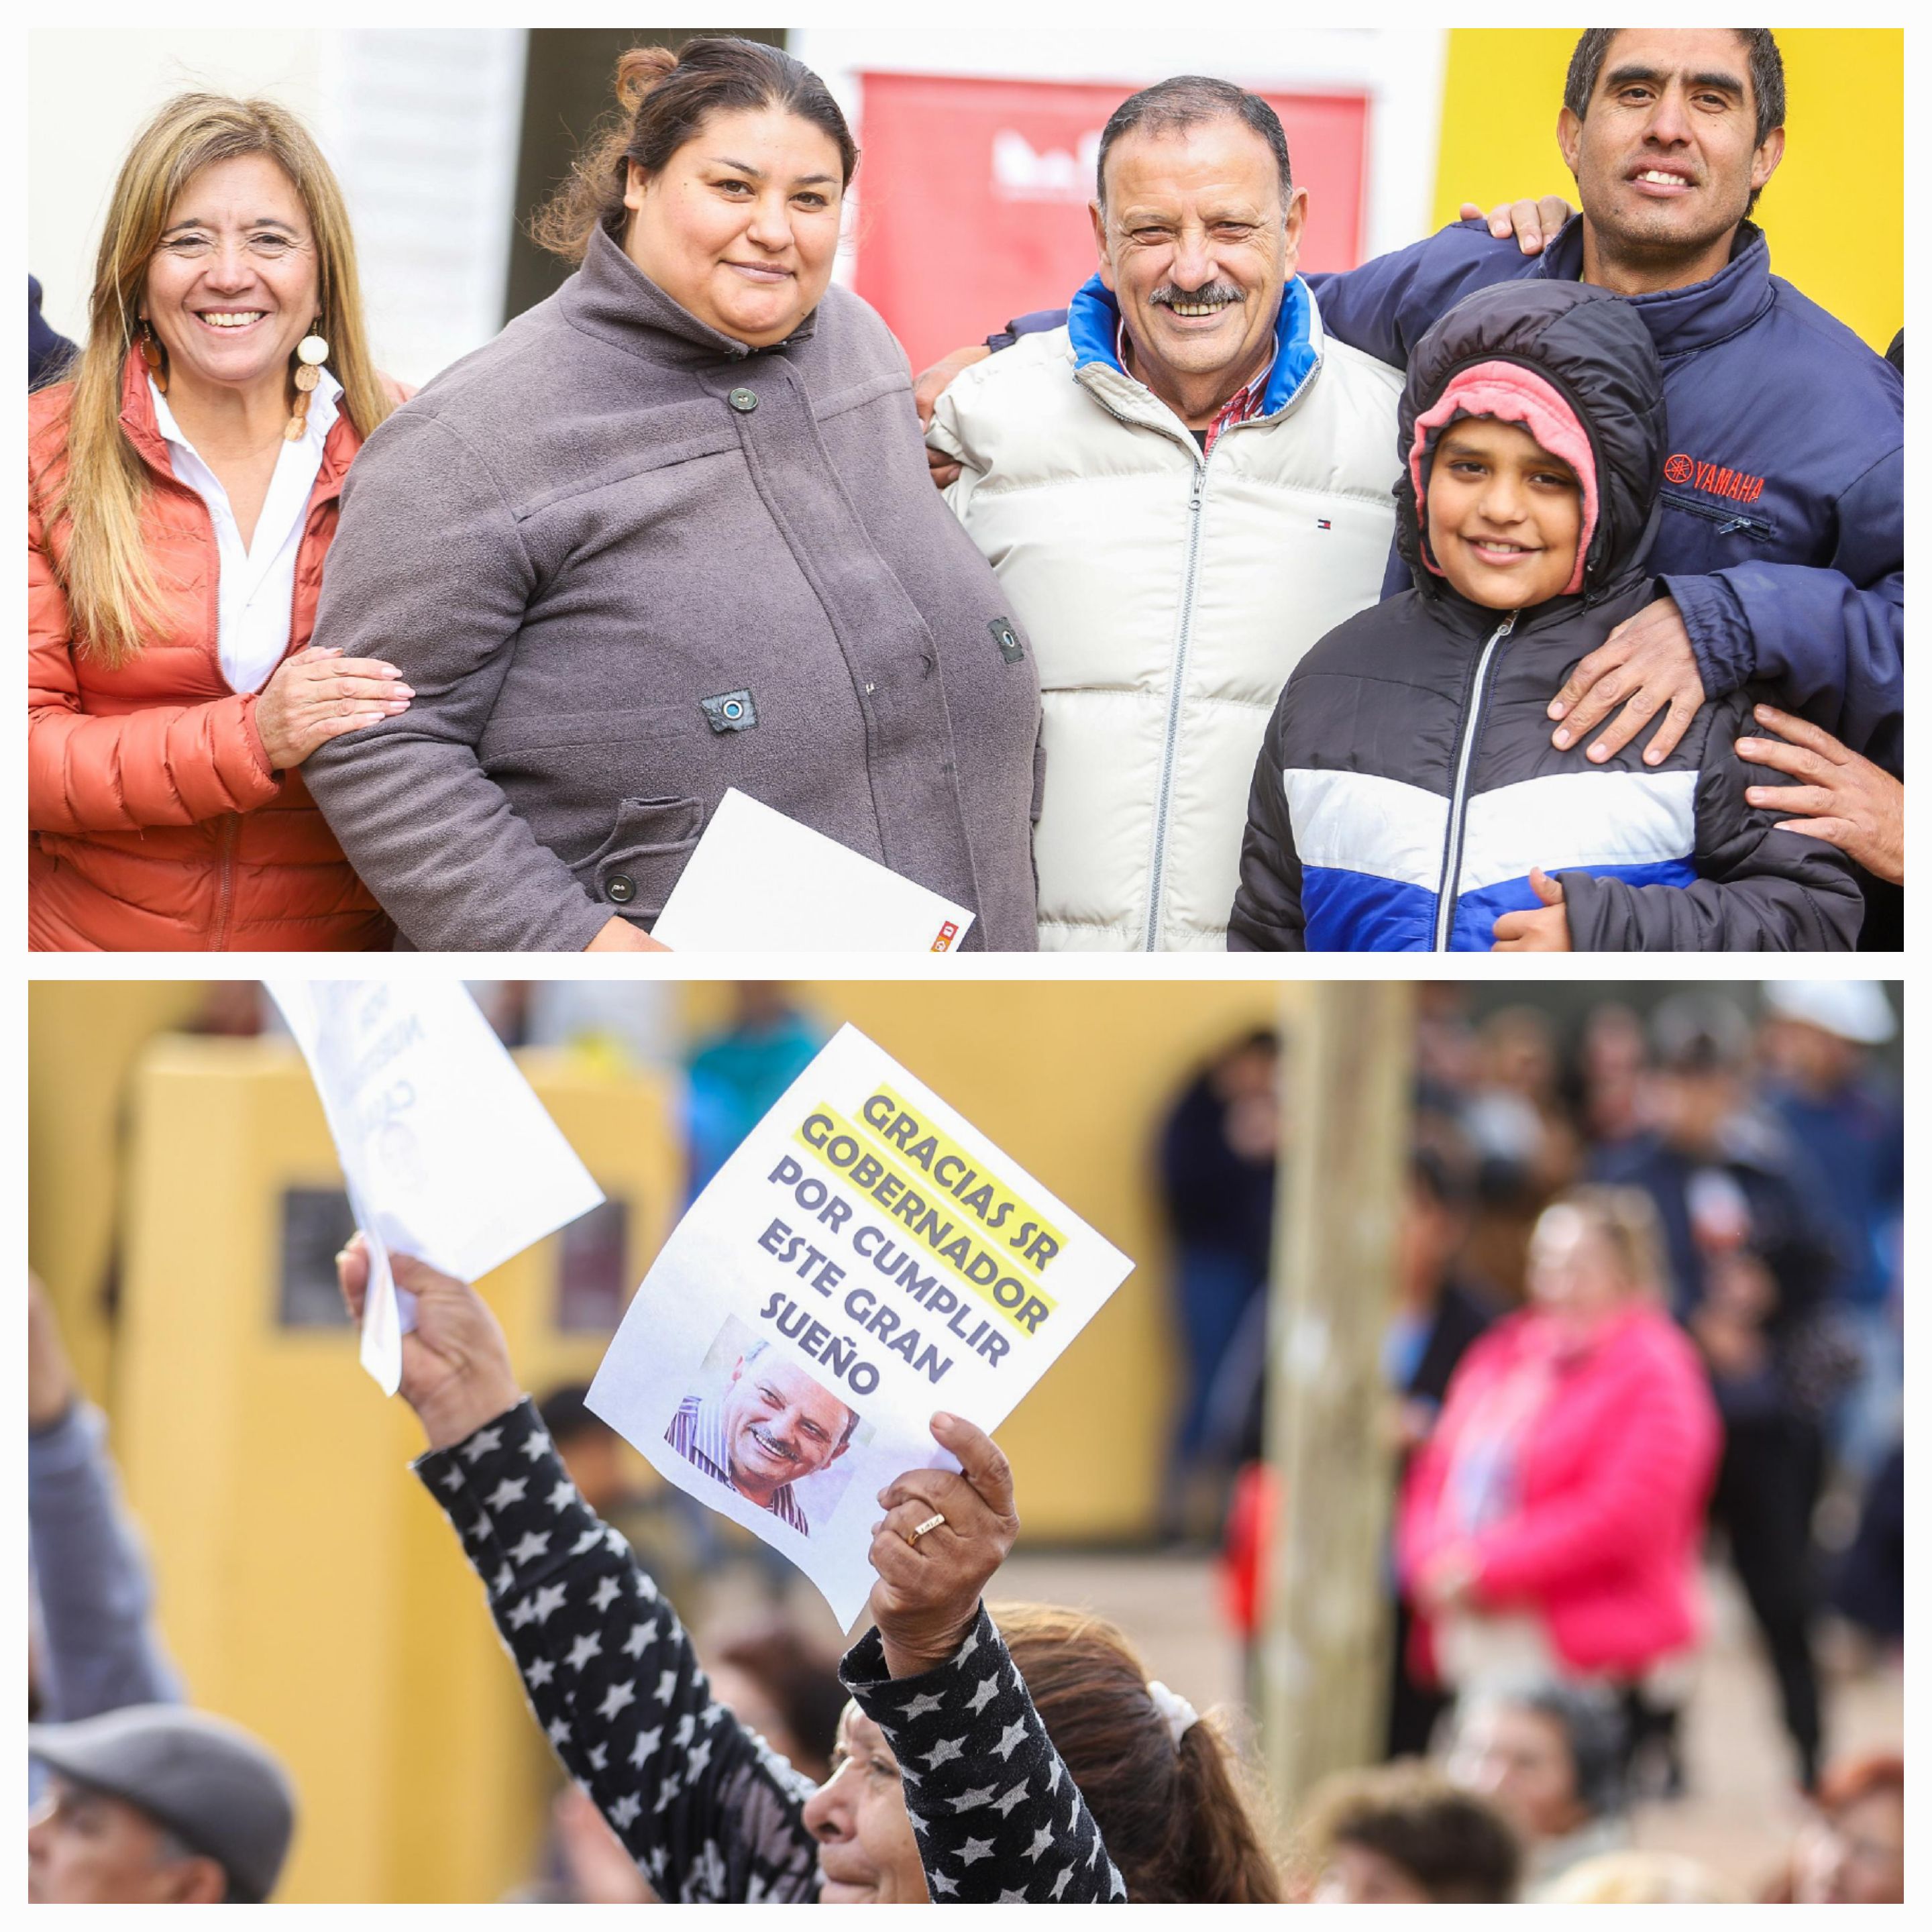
(1167, 595)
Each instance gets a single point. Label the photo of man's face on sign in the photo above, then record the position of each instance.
(762, 1427)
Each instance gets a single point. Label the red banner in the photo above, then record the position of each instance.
(973, 194)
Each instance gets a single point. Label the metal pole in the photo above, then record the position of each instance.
(1324, 1633)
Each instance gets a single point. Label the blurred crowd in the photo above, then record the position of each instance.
(1647, 1318)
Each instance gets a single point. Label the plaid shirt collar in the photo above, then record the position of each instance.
(1243, 405)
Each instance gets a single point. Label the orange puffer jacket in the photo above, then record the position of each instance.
(157, 821)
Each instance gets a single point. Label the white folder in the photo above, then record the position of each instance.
(759, 882)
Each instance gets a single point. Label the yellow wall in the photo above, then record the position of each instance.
(85, 1036)
(307, 1586)
(1834, 211)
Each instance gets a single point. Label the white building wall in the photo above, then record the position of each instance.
(1400, 69)
(421, 124)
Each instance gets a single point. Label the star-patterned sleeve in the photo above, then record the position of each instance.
(996, 1813)
(707, 1811)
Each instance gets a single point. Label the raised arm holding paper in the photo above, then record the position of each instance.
(698, 1801)
(864, 1245)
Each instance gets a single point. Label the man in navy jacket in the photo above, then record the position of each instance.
(1781, 553)
(1781, 549)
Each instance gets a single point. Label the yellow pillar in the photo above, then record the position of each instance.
(307, 1585)
(84, 1037)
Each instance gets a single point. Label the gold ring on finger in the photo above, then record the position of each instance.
(932, 1522)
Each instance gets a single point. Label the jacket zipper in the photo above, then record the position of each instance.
(225, 879)
(1729, 522)
(1452, 853)
(1194, 507)
(1177, 677)
(1195, 504)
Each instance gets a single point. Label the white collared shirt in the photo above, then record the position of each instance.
(257, 590)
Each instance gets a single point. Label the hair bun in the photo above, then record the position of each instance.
(639, 70)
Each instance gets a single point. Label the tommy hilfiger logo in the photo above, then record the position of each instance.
(1714, 477)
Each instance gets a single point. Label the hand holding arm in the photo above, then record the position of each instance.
(925, 394)
(1758, 888)
(318, 694)
(1646, 665)
(1841, 798)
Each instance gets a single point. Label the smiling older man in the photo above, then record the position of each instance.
(1181, 489)
(770, 1428)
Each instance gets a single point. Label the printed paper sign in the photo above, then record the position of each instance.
(864, 1258)
(759, 882)
(447, 1153)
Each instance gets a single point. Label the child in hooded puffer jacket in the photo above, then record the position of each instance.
(1408, 797)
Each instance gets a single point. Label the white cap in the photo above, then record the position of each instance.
(1854, 1009)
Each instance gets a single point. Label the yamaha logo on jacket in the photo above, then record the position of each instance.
(1408, 784)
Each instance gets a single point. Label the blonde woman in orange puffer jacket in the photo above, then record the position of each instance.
(181, 492)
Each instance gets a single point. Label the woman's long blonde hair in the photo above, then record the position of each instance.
(112, 595)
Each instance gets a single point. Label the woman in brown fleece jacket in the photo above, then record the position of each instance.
(673, 532)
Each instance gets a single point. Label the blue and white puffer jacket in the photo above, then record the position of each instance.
(1408, 784)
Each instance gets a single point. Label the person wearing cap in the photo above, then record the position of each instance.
(1816, 1041)
(156, 1804)
(1752, 1265)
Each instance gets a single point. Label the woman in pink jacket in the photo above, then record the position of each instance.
(1550, 1526)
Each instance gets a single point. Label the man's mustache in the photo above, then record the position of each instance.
(1219, 294)
(784, 1452)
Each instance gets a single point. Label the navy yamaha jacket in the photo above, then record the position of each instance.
(1782, 536)
(1408, 784)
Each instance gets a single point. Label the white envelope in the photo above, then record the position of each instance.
(759, 882)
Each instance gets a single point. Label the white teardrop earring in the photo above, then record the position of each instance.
(311, 352)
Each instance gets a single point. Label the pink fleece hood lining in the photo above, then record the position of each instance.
(1511, 394)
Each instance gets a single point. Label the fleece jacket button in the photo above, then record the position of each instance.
(620, 889)
(743, 400)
